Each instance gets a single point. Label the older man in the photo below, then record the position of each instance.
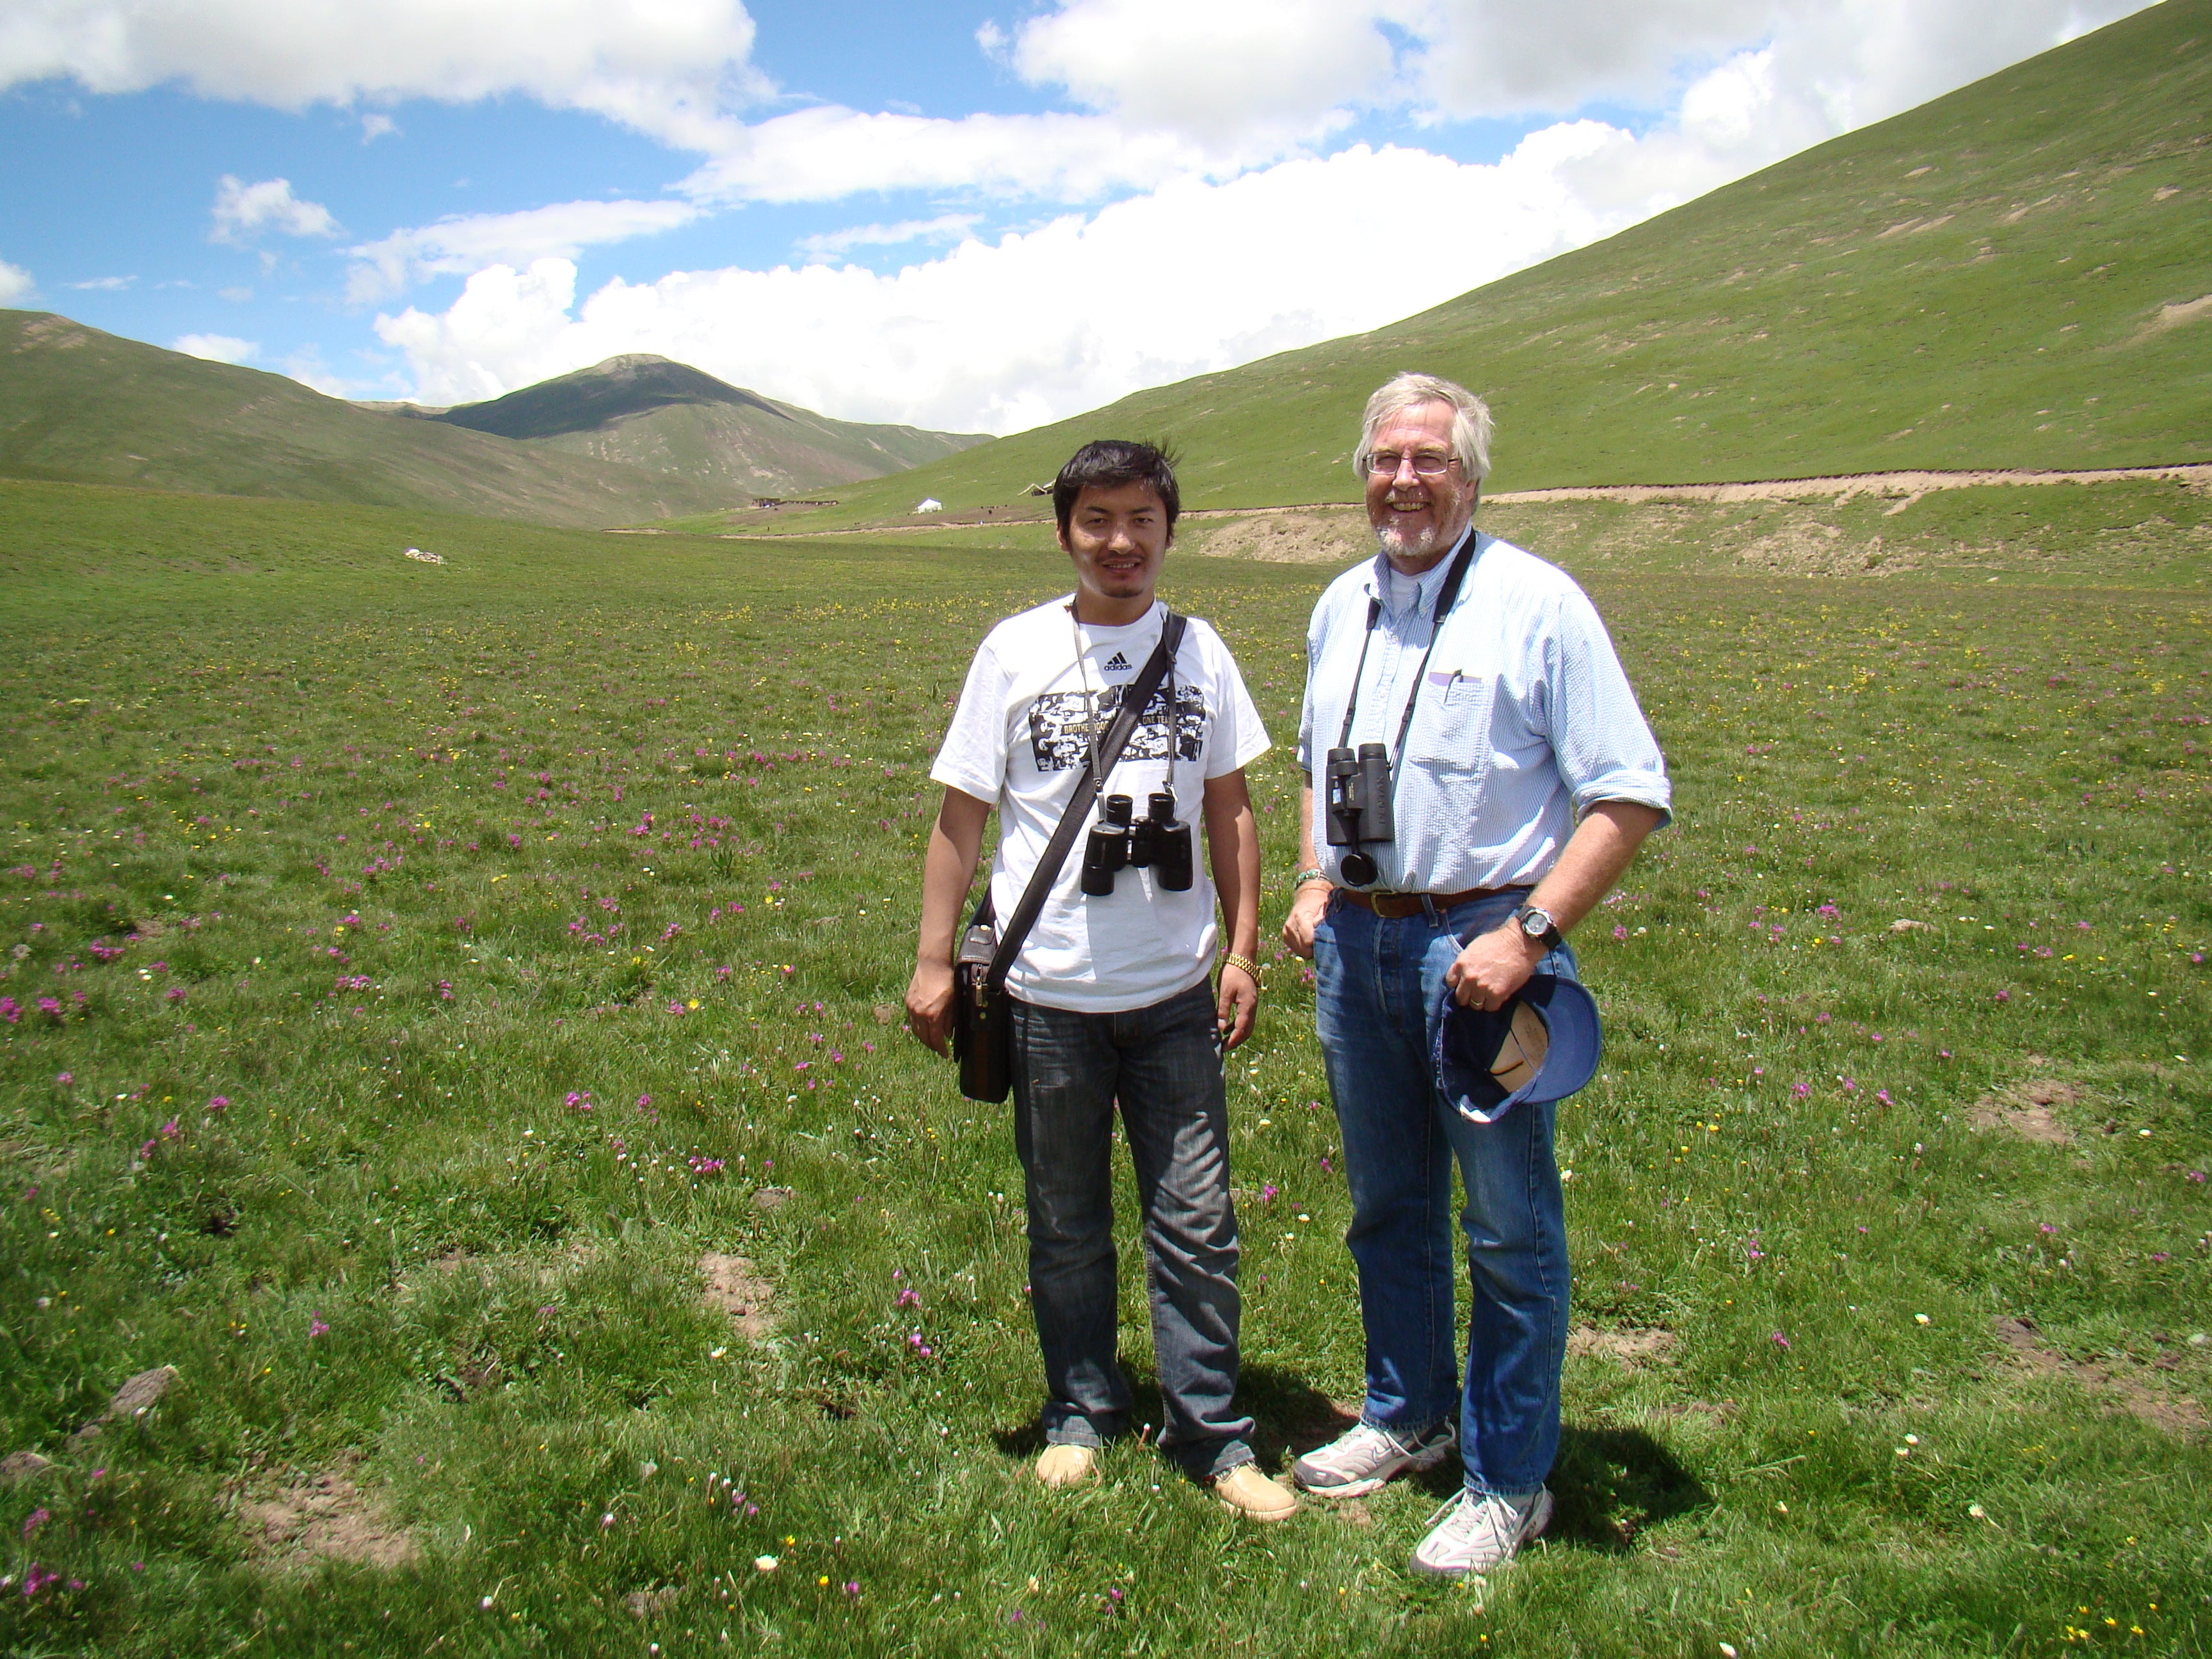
(1523, 778)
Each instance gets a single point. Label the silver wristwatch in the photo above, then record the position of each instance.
(1538, 925)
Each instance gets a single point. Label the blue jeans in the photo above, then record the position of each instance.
(1160, 1062)
(1378, 982)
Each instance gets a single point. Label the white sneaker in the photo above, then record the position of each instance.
(1359, 1460)
(1478, 1531)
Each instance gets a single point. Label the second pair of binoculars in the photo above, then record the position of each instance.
(1158, 843)
(1358, 807)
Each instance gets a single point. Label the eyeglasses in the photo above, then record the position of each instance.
(1428, 463)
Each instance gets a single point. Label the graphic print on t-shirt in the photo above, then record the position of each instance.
(1060, 727)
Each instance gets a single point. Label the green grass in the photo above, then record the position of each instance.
(202, 697)
(1977, 282)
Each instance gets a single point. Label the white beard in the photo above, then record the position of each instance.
(1392, 537)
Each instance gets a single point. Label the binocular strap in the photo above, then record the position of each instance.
(1447, 596)
(1101, 762)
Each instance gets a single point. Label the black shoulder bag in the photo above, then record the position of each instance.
(981, 1025)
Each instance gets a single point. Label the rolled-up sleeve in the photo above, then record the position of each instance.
(1600, 742)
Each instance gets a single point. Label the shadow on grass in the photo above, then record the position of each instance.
(1608, 1485)
(1290, 1415)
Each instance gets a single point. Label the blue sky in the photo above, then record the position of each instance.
(961, 215)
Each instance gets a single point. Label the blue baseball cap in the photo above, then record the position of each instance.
(1468, 1040)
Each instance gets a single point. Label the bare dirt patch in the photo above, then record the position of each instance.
(1806, 547)
(2188, 311)
(1842, 487)
(649, 1604)
(1299, 536)
(326, 1517)
(21, 1466)
(2024, 1109)
(2029, 1349)
(1631, 1344)
(737, 1288)
(133, 1399)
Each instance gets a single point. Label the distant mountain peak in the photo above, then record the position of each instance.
(592, 399)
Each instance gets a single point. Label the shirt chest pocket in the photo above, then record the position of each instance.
(1451, 730)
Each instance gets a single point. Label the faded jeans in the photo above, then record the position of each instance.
(1161, 1064)
(1378, 984)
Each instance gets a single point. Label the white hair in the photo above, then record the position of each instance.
(1471, 424)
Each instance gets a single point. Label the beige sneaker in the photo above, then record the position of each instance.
(1251, 1494)
(1067, 1466)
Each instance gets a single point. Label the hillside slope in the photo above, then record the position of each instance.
(80, 406)
(2017, 274)
(671, 418)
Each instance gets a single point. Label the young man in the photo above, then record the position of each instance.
(1109, 994)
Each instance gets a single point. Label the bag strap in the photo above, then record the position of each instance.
(1095, 770)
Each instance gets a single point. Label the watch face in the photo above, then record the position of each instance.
(1535, 923)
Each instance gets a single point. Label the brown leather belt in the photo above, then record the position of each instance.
(1392, 907)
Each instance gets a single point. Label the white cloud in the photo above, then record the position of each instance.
(1199, 273)
(1232, 74)
(1833, 66)
(374, 127)
(1214, 89)
(242, 211)
(1005, 335)
(945, 228)
(828, 152)
(216, 347)
(15, 283)
(105, 284)
(472, 242)
(669, 68)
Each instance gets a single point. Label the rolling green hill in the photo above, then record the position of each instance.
(674, 420)
(2017, 274)
(82, 406)
(636, 438)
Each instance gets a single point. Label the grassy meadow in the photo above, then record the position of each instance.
(414, 974)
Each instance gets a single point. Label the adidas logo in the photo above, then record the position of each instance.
(1117, 664)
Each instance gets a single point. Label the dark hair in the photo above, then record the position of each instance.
(1110, 463)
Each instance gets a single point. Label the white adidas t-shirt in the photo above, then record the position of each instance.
(1020, 739)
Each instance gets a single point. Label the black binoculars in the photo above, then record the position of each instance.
(1358, 806)
(1159, 843)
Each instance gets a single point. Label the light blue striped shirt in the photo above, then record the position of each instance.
(1526, 721)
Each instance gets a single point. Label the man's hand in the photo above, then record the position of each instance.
(1307, 909)
(946, 870)
(1235, 1005)
(1493, 967)
(929, 1005)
